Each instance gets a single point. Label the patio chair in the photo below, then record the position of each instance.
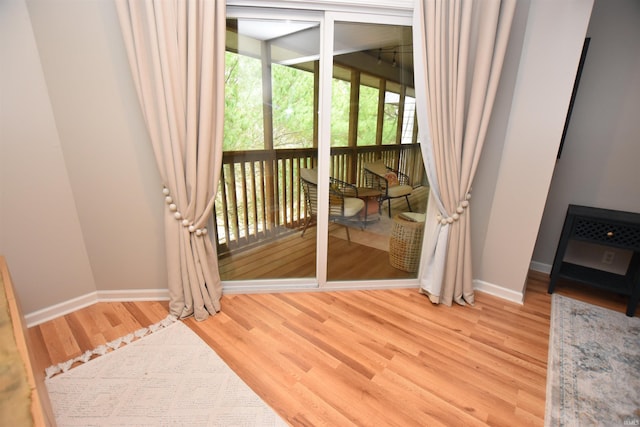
(391, 183)
(343, 209)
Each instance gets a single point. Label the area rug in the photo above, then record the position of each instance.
(593, 374)
(168, 378)
(375, 234)
(378, 230)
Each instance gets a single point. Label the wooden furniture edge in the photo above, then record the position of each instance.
(40, 404)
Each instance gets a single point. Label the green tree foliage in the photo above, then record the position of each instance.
(243, 128)
(292, 108)
(367, 115)
(340, 103)
(390, 120)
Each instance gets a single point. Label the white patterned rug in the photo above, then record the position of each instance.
(168, 378)
(375, 235)
(593, 374)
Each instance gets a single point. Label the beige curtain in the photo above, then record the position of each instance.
(459, 47)
(176, 52)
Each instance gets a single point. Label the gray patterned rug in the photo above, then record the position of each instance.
(168, 378)
(593, 374)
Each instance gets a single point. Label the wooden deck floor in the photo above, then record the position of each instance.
(294, 256)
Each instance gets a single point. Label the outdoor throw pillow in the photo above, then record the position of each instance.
(392, 179)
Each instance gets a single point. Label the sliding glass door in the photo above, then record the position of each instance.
(372, 122)
(269, 138)
(311, 99)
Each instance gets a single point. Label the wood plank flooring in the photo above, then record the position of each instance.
(361, 358)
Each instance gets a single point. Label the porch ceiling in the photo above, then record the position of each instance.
(385, 50)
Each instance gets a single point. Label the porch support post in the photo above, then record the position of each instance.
(400, 124)
(267, 96)
(354, 112)
(271, 201)
(380, 121)
(403, 95)
(316, 101)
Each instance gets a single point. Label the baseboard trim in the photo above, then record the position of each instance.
(134, 295)
(40, 316)
(49, 313)
(539, 266)
(499, 291)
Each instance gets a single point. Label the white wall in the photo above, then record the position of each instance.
(489, 166)
(109, 158)
(81, 201)
(40, 233)
(504, 242)
(600, 160)
(107, 187)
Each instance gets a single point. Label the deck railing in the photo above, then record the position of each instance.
(260, 196)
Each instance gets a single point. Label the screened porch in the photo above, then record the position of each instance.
(272, 132)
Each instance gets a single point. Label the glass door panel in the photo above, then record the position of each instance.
(263, 206)
(372, 75)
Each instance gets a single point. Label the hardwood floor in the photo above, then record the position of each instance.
(364, 358)
(69, 336)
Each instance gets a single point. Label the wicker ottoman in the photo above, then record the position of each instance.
(405, 243)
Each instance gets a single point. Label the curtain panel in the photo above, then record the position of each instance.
(459, 49)
(176, 52)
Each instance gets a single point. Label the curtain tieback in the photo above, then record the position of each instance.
(178, 216)
(444, 220)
